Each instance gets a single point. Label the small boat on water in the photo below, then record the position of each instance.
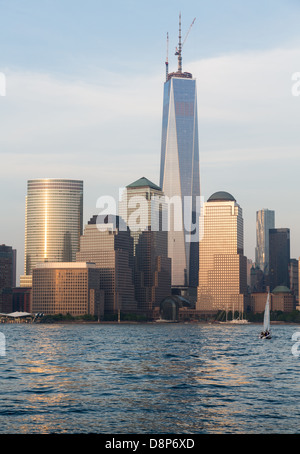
(239, 321)
(266, 333)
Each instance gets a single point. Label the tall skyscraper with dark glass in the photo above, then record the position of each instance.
(7, 276)
(279, 247)
(179, 171)
(53, 222)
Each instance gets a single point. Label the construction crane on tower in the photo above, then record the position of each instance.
(178, 50)
(180, 46)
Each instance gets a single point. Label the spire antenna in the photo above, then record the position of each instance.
(167, 57)
(179, 47)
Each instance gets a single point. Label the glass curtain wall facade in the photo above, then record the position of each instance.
(53, 222)
(7, 277)
(293, 274)
(179, 173)
(279, 240)
(7, 266)
(265, 220)
(222, 265)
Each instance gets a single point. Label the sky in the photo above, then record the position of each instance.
(84, 92)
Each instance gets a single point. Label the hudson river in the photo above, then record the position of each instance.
(149, 379)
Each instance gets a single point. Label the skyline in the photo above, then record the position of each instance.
(74, 74)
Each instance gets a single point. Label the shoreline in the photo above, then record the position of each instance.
(125, 322)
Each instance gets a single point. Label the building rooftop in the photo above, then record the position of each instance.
(143, 182)
(281, 289)
(180, 75)
(221, 196)
(111, 220)
(65, 265)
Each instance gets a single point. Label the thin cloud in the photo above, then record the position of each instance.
(45, 110)
(245, 87)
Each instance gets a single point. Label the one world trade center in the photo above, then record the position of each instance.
(179, 172)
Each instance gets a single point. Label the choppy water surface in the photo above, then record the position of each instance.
(154, 378)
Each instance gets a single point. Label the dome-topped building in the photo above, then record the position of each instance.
(222, 264)
(221, 196)
(281, 289)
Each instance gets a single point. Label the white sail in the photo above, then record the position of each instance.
(267, 315)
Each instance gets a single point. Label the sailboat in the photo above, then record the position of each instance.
(240, 320)
(266, 334)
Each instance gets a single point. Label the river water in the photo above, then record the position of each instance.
(148, 379)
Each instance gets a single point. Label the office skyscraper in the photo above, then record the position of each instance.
(179, 170)
(222, 264)
(143, 208)
(294, 277)
(279, 244)
(66, 288)
(7, 276)
(53, 222)
(265, 220)
(111, 249)
(7, 266)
